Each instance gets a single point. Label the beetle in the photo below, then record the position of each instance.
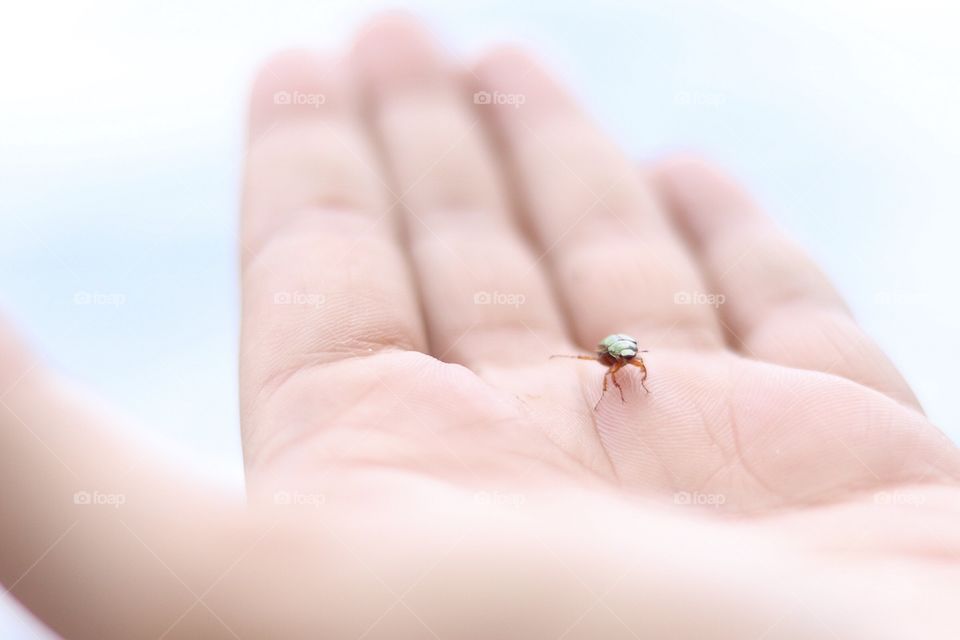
(615, 352)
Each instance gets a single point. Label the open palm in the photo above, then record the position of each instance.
(417, 240)
(380, 226)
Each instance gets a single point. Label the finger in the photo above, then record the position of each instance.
(100, 538)
(777, 306)
(82, 513)
(483, 296)
(616, 262)
(324, 277)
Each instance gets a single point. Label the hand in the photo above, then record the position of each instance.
(417, 240)
(396, 236)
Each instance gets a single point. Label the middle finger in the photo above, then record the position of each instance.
(618, 264)
(484, 299)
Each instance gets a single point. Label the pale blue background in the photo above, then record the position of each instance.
(121, 130)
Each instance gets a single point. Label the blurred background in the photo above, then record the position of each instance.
(121, 143)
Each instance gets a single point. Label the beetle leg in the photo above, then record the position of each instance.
(613, 376)
(579, 357)
(638, 362)
(604, 391)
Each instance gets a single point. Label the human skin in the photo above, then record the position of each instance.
(418, 467)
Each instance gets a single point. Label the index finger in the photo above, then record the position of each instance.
(324, 278)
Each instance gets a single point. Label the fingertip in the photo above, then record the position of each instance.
(686, 166)
(295, 83)
(511, 79)
(701, 197)
(397, 51)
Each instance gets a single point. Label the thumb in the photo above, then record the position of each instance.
(91, 525)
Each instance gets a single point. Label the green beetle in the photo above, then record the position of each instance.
(616, 351)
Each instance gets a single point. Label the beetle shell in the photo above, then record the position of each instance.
(618, 346)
